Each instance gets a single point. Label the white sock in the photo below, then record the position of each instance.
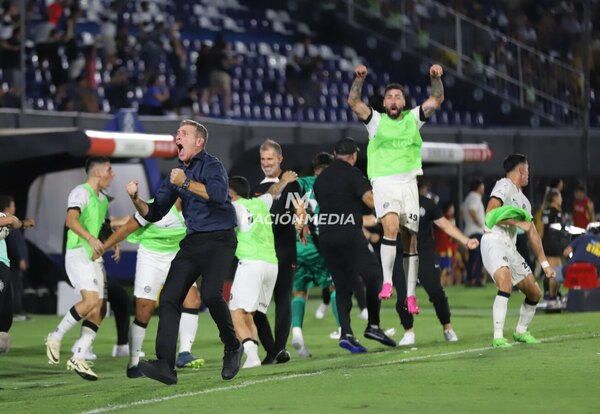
(499, 315)
(412, 263)
(136, 339)
(388, 257)
(66, 324)
(88, 334)
(525, 316)
(297, 334)
(188, 325)
(251, 350)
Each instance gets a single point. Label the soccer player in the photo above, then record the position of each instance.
(499, 253)
(393, 164)
(86, 209)
(159, 243)
(256, 272)
(429, 269)
(311, 269)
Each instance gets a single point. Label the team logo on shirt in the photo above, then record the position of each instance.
(386, 204)
(147, 289)
(422, 212)
(96, 282)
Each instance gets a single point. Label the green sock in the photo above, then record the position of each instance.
(298, 305)
(334, 308)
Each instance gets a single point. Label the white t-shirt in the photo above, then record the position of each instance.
(244, 217)
(79, 197)
(506, 191)
(473, 202)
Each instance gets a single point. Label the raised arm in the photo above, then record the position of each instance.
(286, 178)
(437, 91)
(361, 110)
(451, 230)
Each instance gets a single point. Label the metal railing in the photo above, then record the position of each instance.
(493, 61)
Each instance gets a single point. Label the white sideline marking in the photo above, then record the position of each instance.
(310, 374)
(471, 350)
(195, 393)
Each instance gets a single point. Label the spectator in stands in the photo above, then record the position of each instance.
(156, 98)
(108, 32)
(118, 89)
(12, 97)
(10, 53)
(203, 69)
(188, 106)
(473, 213)
(301, 70)
(220, 80)
(81, 97)
(583, 208)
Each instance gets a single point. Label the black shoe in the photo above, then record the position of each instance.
(377, 334)
(350, 343)
(282, 357)
(134, 372)
(159, 370)
(269, 359)
(232, 359)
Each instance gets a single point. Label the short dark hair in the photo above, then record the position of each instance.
(322, 160)
(93, 161)
(5, 201)
(512, 161)
(393, 86)
(240, 185)
(579, 187)
(475, 183)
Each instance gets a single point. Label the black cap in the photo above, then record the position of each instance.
(346, 146)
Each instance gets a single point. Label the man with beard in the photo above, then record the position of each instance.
(394, 162)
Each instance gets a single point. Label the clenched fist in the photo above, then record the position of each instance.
(177, 177)
(132, 189)
(436, 71)
(361, 71)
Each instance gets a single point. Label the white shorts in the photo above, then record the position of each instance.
(151, 271)
(84, 273)
(497, 252)
(253, 286)
(400, 198)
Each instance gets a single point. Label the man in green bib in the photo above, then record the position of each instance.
(86, 210)
(393, 164)
(257, 268)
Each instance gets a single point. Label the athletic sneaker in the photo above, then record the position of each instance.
(320, 312)
(159, 370)
(411, 305)
(52, 350)
(350, 343)
(88, 355)
(407, 339)
(134, 372)
(501, 343)
(282, 357)
(386, 291)
(4, 342)
(187, 360)
(377, 334)
(232, 361)
(526, 338)
(450, 335)
(83, 368)
(336, 334)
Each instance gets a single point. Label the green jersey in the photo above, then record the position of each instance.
(163, 236)
(93, 208)
(394, 144)
(254, 229)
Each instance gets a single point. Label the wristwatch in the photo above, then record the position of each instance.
(186, 183)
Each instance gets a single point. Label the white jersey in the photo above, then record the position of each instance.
(506, 191)
(79, 197)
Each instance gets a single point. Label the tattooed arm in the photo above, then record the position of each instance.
(437, 91)
(361, 110)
